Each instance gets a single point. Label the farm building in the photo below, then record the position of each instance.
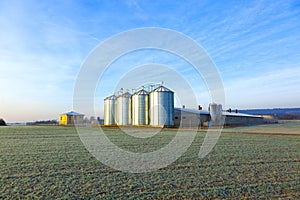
(155, 107)
(189, 118)
(71, 118)
(270, 119)
(240, 119)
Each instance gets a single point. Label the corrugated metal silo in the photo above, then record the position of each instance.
(140, 107)
(109, 110)
(161, 108)
(123, 109)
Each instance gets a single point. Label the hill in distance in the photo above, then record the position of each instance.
(282, 113)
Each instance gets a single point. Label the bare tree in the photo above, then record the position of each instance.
(2, 122)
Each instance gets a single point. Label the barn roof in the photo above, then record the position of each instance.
(233, 114)
(203, 112)
(199, 112)
(72, 113)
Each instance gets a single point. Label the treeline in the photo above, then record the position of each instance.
(289, 116)
(281, 113)
(2, 122)
(44, 122)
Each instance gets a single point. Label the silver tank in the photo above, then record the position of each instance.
(123, 109)
(215, 114)
(109, 110)
(161, 107)
(140, 107)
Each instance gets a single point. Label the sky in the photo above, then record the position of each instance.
(43, 44)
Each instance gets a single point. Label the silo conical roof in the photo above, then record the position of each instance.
(162, 89)
(110, 97)
(126, 94)
(141, 92)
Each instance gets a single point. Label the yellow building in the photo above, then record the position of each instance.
(71, 118)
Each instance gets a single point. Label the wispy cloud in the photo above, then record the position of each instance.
(276, 88)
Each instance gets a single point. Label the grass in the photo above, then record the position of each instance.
(51, 162)
(283, 127)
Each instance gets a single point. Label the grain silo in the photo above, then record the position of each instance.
(140, 107)
(109, 110)
(215, 114)
(123, 109)
(161, 107)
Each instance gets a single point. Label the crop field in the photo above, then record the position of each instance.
(51, 162)
(285, 127)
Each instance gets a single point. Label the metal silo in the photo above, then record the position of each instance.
(161, 108)
(123, 109)
(215, 114)
(140, 106)
(109, 110)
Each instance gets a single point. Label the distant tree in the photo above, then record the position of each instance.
(2, 122)
(289, 116)
(44, 122)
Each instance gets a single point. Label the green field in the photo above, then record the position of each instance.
(51, 162)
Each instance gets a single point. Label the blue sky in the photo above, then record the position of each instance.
(254, 44)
